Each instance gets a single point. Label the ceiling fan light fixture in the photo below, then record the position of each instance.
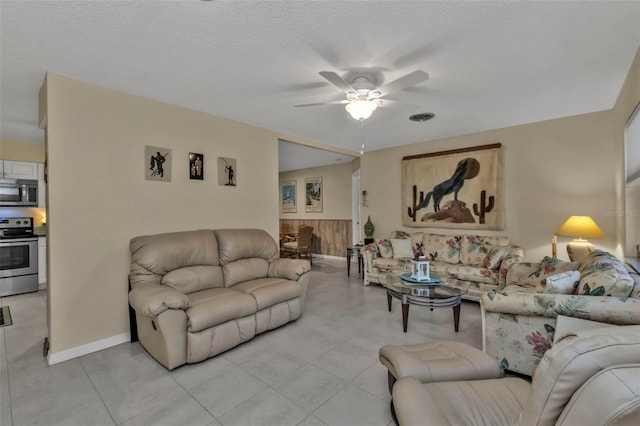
(361, 109)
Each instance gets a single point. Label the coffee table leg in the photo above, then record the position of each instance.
(456, 316)
(389, 301)
(405, 316)
(348, 264)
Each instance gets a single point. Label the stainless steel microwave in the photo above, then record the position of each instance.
(18, 193)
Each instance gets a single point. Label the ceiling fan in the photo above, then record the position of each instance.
(363, 97)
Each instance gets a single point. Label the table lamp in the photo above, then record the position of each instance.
(580, 227)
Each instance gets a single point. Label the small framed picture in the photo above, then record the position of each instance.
(288, 202)
(227, 171)
(313, 195)
(196, 166)
(157, 163)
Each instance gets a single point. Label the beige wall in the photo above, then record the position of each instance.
(336, 184)
(99, 199)
(21, 151)
(629, 204)
(632, 220)
(553, 169)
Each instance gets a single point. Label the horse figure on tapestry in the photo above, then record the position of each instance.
(453, 184)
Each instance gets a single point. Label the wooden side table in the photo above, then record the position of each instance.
(355, 251)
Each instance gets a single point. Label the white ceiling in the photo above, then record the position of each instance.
(491, 64)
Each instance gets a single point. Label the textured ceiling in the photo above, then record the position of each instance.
(491, 64)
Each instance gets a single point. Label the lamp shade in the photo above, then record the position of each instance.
(580, 227)
(361, 109)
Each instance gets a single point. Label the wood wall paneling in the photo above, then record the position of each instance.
(330, 236)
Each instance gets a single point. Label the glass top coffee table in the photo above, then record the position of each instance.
(434, 294)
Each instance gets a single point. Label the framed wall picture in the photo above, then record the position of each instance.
(227, 171)
(157, 163)
(313, 195)
(196, 166)
(288, 201)
(462, 188)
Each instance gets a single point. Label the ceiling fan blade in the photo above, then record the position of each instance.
(322, 103)
(385, 103)
(406, 81)
(337, 81)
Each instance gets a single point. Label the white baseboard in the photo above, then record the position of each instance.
(55, 358)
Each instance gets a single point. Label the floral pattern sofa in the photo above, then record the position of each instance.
(519, 320)
(476, 263)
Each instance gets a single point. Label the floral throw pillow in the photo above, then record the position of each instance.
(386, 250)
(562, 283)
(495, 256)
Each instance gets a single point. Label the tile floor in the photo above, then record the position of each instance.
(322, 369)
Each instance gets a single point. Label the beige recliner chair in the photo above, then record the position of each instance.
(589, 378)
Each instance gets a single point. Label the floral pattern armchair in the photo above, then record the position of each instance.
(519, 321)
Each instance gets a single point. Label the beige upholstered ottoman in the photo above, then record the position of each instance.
(437, 361)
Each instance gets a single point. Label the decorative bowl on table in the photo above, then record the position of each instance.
(434, 279)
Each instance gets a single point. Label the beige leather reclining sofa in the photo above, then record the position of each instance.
(199, 293)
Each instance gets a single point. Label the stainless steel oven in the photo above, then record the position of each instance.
(18, 256)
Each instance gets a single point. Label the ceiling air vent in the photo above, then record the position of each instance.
(423, 116)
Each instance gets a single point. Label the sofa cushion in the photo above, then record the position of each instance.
(399, 235)
(562, 283)
(474, 248)
(473, 273)
(495, 256)
(439, 268)
(244, 270)
(194, 278)
(417, 243)
(387, 264)
(152, 256)
(235, 244)
(385, 248)
(217, 306)
(270, 291)
(603, 274)
(402, 248)
(444, 248)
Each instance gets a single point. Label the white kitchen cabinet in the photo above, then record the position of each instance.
(20, 170)
(42, 263)
(42, 189)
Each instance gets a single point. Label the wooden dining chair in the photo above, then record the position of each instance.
(285, 228)
(302, 246)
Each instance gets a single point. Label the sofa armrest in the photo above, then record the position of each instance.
(607, 309)
(291, 269)
(369, 253)
(518, 272)
(516, 255)
(153, 299)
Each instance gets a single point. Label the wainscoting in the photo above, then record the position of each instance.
(330, 236)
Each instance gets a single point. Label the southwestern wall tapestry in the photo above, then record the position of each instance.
(462, 188)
